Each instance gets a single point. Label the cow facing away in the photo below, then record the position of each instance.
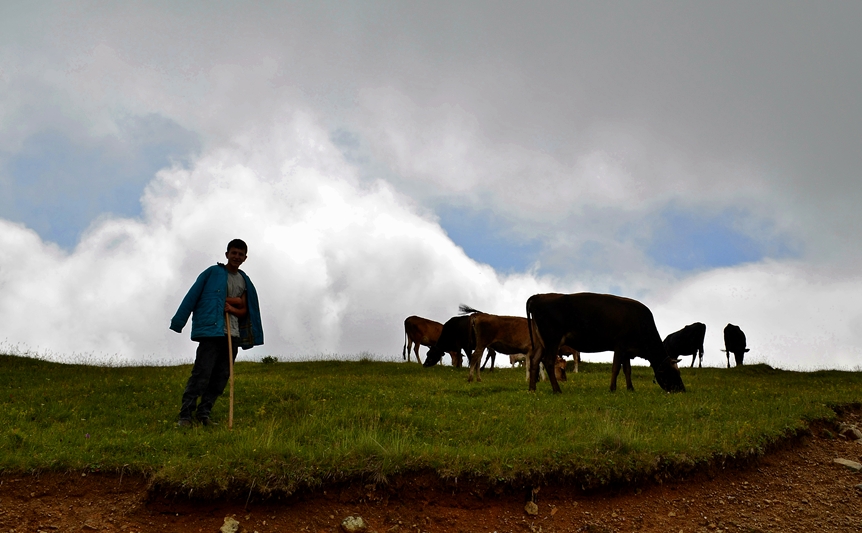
(734, 343)
(455, 337)
(687, 341)
(592, 323)
(419, 331)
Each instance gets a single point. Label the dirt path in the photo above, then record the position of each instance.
(798, 488)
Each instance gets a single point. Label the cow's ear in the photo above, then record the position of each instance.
(746, 349)
(675, 361)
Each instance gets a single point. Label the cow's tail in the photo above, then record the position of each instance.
(529, 360)
(404, 350)
(530, 327)
(467, 310)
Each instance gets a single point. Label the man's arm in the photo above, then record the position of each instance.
(238, 307)
(188, 304)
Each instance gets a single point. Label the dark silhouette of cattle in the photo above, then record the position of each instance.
(500, 334)
(419, 331)
(508, 335)
(592, 323)
(687, 341)
(455, 337)
(734, 343)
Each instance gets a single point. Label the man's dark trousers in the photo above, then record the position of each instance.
(210, 375)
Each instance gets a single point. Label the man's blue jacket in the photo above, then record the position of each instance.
(205, 302)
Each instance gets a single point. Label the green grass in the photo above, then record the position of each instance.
(305, 424)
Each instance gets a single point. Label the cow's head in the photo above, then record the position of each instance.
(667, 375)
(560, 369)
(739, 356)
(434, 356)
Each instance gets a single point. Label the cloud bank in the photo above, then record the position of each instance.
(340, 262)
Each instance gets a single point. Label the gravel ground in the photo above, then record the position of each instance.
(797, 487)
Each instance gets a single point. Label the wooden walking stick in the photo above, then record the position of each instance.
(230, 360)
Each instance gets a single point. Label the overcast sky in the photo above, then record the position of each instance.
(389, 159)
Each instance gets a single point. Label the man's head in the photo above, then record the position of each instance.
(239, 244)
(235, 254)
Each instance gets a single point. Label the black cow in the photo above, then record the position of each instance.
(734, 342)
(687, 341)
(456, 336)
(592, 323)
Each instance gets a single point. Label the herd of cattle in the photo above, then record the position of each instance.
(557, 325)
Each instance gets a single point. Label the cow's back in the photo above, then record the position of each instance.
(686, 341)
(422, 330)
(505, 334)
(595, 322)
(734, 338)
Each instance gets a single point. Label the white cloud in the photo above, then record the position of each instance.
(338, 265)
(792, 317)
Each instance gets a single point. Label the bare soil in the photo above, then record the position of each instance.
(795, 487)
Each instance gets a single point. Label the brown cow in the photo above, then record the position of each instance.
(504, 334)
(598, 323)
(419, 331)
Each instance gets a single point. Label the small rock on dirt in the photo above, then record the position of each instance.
(852, 465)
(353, 523)
(850, 431)
(531, 508)
(231, 525)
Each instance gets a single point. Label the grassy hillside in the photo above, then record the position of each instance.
(303, 424)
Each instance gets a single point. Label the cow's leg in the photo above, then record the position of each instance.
(551, 362)
(492, 355)
(615, 369)
(727, 353)
(416, 351)
(693, 357)
(627, 370)
(700, 353)
(475, 359)
(532, 364)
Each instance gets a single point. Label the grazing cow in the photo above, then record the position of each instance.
(419, 331)
(687, 341)
(734, 343)
(499, 334)
(456, 335)
(593, 323)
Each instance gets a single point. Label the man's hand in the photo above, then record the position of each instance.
(236, 306)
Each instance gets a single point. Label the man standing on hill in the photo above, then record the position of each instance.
(222, 289)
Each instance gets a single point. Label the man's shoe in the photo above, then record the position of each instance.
(184, 423)
(207, 422)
